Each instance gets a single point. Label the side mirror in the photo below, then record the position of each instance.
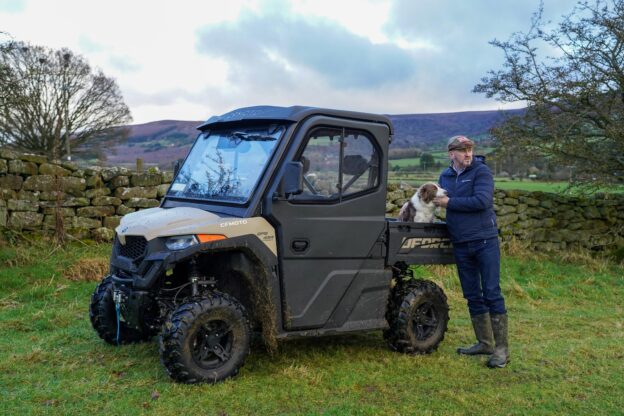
(292, 181)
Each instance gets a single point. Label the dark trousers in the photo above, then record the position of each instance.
(478, 266)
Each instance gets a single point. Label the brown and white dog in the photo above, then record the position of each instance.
(420, 207)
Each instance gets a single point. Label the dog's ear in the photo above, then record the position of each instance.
(427, 192)
(403, 213)
(407, 212)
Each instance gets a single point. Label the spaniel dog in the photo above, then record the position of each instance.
(420, 207)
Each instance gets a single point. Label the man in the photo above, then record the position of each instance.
(471, 222)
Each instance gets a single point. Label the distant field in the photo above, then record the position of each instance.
(417, 179)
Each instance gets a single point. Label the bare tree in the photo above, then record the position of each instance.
(8, 85)
(575, 95)
(56, 97)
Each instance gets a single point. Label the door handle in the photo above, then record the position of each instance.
(299, 245)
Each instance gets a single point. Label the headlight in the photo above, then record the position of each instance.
(181, 242)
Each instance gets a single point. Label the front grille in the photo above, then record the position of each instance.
(134, 248)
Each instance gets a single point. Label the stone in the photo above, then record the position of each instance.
(7, 193)
(162, 190)
(103, 211)
(21, 167)
(545, 203)
(591, 213)
(4, 214)
(22, 205)
(532, 202)
(510, 201)
(105, 200)
(49, 222)
(38, 159)
(111, 222)
(390, 207)
(166, 177)
(535, 212)
(79, 233)
(513, 193)
(146, 179)
(52, 195)
(102, 234)
(8, 154)
(93, 170)
(506, 220)
(506, 209)
(19, 220)
(72, 185)
(65, 212)
(119, 181)
(123, 210)
(70, 166)
(575, 225)
(79, 173)
(109, 173)
(142, 203)
(84, 222)
(137, 192)
(76, 202)
(41, 183)
(4, 168)
(11, 182)
(94, 181)
(97, 192)
(549, 222)
(393, 196)
(28, 196)
(54, 170)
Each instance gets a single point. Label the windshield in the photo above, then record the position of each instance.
(226, 165)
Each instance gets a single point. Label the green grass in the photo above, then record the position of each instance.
(418, 178)
(567, 349)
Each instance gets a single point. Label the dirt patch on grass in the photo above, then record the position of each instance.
(87, 270)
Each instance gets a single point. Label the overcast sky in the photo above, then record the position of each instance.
(188, 60)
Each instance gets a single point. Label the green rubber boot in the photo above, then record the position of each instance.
(500, 357)
(483, 331)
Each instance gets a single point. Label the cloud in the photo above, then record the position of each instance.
(274, 47)
(88, 45)
(123, 64)
(12, 6)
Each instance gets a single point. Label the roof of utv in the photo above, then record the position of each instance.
(293, 114)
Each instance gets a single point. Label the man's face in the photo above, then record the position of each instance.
(461, 158)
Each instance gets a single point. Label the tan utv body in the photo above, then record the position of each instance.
(273, 225)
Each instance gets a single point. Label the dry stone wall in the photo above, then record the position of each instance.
(91, 201)
(35, 193)
(548, 221)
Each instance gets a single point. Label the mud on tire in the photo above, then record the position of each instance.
(104, 318)
(417, 315)
(205, 340)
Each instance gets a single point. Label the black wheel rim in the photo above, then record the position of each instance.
(424, 321)
(212, 346)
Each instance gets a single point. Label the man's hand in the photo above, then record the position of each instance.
(441, 201)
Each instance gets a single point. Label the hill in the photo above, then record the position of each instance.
(163, 142)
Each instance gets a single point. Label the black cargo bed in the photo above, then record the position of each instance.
(418, 243)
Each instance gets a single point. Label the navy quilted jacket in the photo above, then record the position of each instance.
(470, 212)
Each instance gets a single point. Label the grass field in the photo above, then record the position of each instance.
(566, 335)
(416, 179)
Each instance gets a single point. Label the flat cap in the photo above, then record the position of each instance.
(460, 142)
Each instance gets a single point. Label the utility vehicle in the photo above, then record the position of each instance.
(275, 225)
